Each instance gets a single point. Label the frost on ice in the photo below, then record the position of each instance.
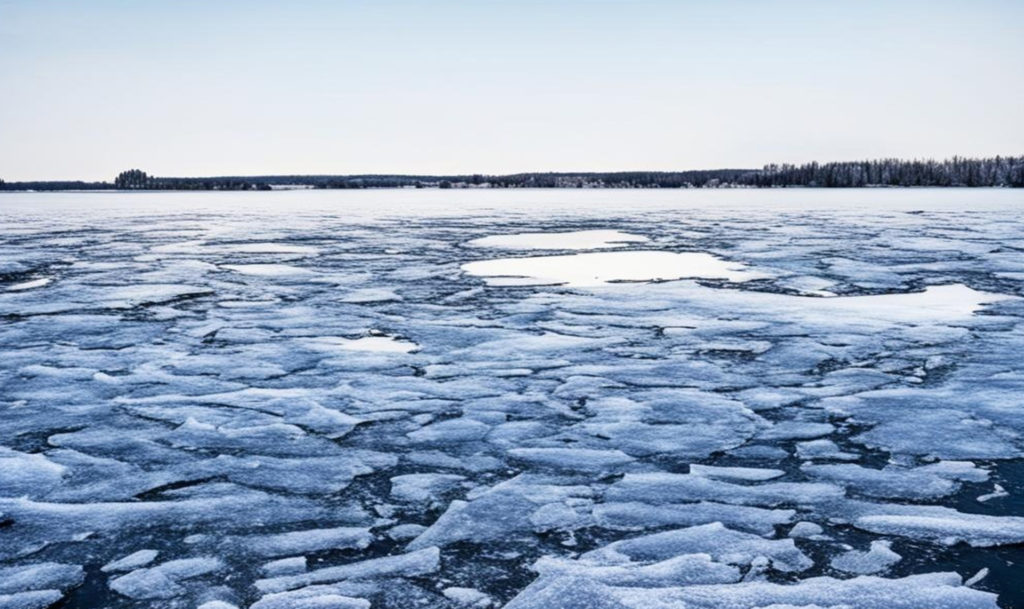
(751, 409)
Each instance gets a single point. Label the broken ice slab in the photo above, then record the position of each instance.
(663, 487)
(414, 563)
(304, 541)
(932, 590)
(633, 515)
(874, 560)
(165, 580)
(714, 539)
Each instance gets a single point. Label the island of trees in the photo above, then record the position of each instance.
(999, 171)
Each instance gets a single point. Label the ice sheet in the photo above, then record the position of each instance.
(217, 402)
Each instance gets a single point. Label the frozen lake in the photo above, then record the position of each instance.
(532, 399)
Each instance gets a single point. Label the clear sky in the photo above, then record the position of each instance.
(204, 87)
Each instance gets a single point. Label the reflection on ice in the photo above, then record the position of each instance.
(576, 240)
(599, 268)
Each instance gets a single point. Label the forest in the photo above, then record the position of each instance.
(998, 171)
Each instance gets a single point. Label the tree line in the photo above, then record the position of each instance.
(957, 171)
(997, 171)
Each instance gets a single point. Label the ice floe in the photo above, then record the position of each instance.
(722, 544)
(165, 580)
(875, 560)
(944, 525)
(420, 562)
(131, 562)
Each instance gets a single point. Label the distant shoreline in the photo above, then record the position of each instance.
(429, 188)
(998, 171)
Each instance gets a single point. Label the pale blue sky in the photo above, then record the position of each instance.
(189, 87)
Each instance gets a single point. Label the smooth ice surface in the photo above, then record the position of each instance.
(669, 399)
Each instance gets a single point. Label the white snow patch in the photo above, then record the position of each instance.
(377, 344)
(601, 268)
(28, 285)
(751, 474)
(940, 302)
(369, 295)
(575, 240)
(271, 248)
(268, 270)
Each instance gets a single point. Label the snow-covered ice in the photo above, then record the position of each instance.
(531, 400)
